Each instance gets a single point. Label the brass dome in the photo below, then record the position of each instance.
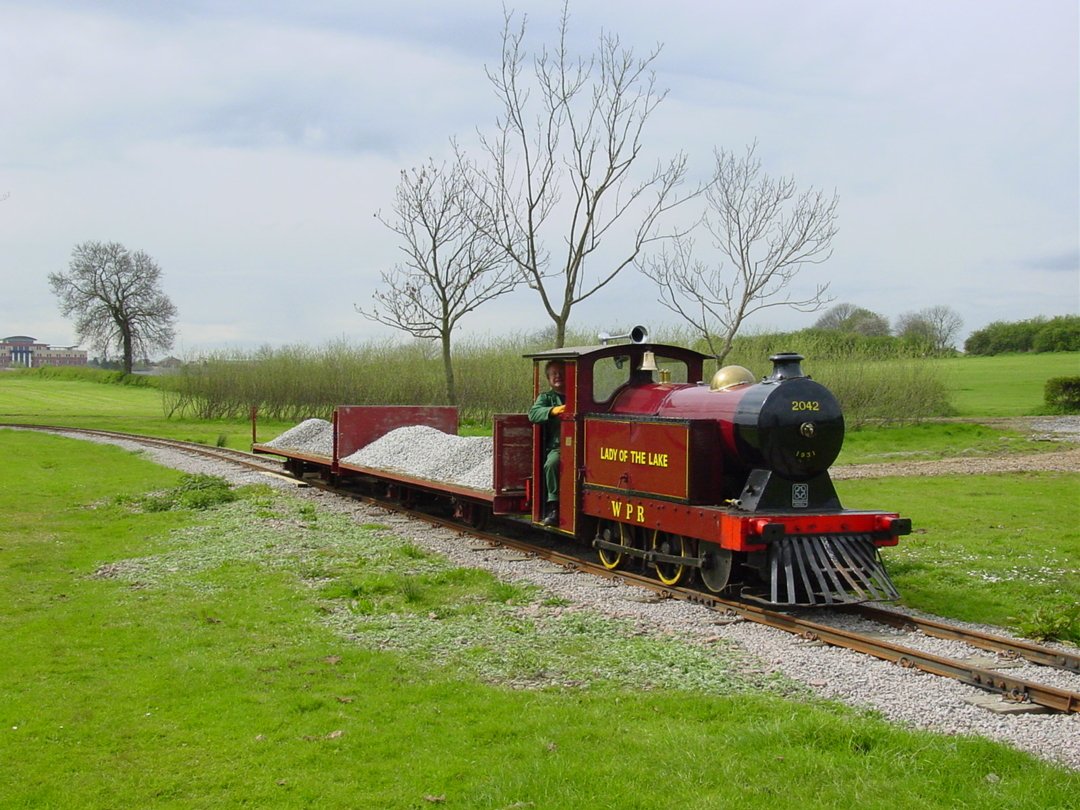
(730, 376)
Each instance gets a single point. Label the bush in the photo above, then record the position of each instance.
(200, 491)
(1060, 334)
(1062, 394)
(895, 392)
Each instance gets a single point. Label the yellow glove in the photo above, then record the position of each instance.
(557, 410)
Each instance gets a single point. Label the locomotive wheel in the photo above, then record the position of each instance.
(614, 533)
(674, 544)
(716, 568)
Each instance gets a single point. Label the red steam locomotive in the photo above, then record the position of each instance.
(725, 483)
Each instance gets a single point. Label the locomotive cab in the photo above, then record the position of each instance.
(595, 378)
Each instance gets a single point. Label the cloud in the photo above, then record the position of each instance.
(1067, 262)
(245, 144)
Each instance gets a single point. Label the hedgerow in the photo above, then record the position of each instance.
(88, 374)
(1060, 334)
(875, 379)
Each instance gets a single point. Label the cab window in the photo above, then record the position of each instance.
(608, 374)
(676, 369)
(611, 373)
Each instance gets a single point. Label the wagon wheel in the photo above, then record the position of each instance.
(673, 544)
(474, 514)
(480, 517)
(715, 566)
(614, 533)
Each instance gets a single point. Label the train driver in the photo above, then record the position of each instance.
(546, 411)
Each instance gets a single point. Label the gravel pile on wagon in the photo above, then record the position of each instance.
(314, 437)
(424, 452)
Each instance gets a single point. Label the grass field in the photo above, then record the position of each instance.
(1004, 385)
(265, 653)
(232, 657)
(27, 400)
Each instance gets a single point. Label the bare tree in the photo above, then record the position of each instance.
(450, 268)
(116, 299)
(938, 326)
(854, 320)
(561, 165)
(767, 230)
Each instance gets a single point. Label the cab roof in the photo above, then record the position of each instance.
(614, 349)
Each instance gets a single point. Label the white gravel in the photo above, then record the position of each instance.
(1054, 428)
(901, 695)
(313, 437)
(424, 452)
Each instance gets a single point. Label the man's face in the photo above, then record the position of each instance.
(555, 377)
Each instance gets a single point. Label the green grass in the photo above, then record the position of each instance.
(1000, 549)
(130, 409)
(1004, 385)
(935, 440)
(237, 656)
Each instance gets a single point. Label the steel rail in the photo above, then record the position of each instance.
(1036, 654)
(1014, 689)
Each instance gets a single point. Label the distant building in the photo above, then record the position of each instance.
(26, 352)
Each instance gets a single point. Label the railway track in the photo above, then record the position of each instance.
(1014, 689)
(818, 625)
(1010, 648)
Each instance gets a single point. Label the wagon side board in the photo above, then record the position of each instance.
(357, 426)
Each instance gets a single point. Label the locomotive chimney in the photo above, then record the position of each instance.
(786, 366)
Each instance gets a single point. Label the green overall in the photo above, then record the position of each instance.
(540, 413)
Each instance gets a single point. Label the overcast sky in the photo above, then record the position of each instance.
(247, 145)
